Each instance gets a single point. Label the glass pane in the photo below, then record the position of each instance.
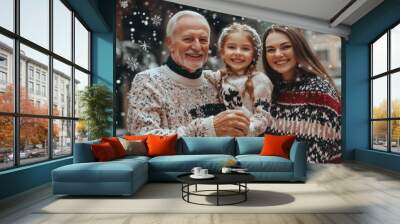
(7, 14)
(395, 136)
(379, 135)
(62, 29)
(395, 47)
(34, 97)
(62, 89)
(81, 131)
(379, 55)
(35, 21)
(379, 97)
(33, 139)
(81, 45)
(81, 81)
(6, 142)
(395, 94)
(6, 74)
(62, 138)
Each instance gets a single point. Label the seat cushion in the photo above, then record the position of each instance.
(185, 163)
(257, 163)
(111, 171)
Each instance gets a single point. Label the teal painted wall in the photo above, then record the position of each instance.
(24, 178)
(356, 82)
(99, 16)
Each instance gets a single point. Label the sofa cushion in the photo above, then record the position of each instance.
(275, 145)
(185, 163)
(103, 152)
(249, 145)
(257, 163)
(112, 171)
(116, 145)
(134, 147)
(206, 145)
(161, 145)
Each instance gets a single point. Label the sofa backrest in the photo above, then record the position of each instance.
(249, 145)
(83, 152)
(206, 145)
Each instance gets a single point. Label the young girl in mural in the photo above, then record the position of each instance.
(305, 101)
(241, 87)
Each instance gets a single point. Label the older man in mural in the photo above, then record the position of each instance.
(175, 98)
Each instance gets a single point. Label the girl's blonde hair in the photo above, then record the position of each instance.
(254, 38)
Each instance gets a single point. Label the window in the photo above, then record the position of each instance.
(30, 72)
(40, 81)
(3, 78)
(385, 95)
(37, 75)
(7, 14)
(38, 89)
(322, 55)
(3, 71)
(43, 90)
(3, 61)
(43, 77)
(30, 87)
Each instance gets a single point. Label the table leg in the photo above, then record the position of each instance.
(217, 194)
(245, 191)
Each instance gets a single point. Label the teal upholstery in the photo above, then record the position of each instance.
(83, 152)
(249, 145)
(184, 164)
(259, 163)
(206, 145)
(119, 177)
(125, 176)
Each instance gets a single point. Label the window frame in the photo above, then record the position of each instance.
(388, 74)
(16, 113)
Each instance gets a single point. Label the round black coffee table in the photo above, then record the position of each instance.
(238, 179)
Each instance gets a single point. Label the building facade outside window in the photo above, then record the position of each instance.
(55, 129)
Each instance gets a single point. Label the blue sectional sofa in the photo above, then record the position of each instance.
(125, 176)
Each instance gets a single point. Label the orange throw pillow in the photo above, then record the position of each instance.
(103, 152)
(161, 145)
(275, 145)
(136, 137)
(116, 145)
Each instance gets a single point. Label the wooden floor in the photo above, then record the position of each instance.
(377, 188)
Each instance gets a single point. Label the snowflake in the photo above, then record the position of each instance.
(156, 20)
(124, 3)
(145, 46)
(132, 64)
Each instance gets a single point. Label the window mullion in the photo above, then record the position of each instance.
(50, 81)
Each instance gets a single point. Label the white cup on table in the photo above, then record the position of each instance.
(203, 172)
(196, 170)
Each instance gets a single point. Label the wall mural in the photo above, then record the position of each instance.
(227, 84)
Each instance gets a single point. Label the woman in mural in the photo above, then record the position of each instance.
(239, 85)
(305, 101)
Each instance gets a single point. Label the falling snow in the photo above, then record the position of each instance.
(132, 64)
(124, 3)
(145, 46)
(156, 20)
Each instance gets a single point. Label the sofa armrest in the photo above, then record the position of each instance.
(298, 157)
(83, 152)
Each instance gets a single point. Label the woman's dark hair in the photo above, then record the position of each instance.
(305, 57)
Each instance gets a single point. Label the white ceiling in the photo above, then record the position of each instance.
(316, 15)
